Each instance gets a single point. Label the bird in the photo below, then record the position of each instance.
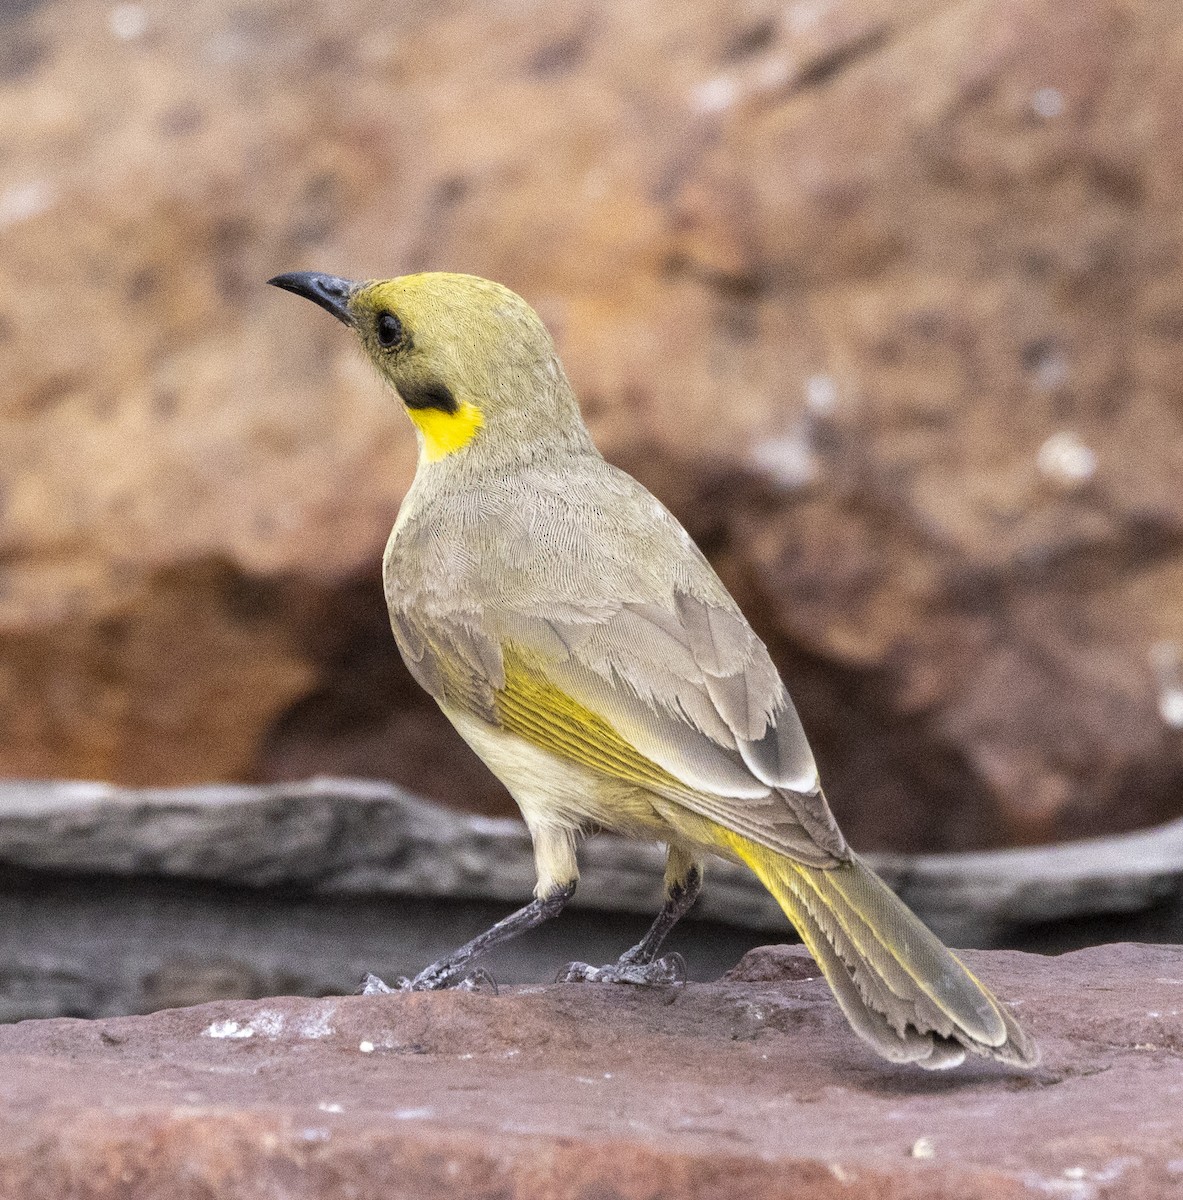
(580, 642)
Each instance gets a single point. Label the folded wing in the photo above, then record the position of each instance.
(680, 697)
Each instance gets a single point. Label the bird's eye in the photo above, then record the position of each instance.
(390, 330)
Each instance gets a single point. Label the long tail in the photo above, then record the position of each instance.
(900, 988)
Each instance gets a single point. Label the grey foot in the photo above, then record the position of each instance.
(430, 980)
(660, 973)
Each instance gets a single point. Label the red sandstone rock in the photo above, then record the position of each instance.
(752, 1088)
(883, 296)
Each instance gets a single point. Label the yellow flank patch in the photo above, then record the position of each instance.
(765, 864)
(533, 708)
(444, 433)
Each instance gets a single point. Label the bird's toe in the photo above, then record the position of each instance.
(662, 972)
(371, 985)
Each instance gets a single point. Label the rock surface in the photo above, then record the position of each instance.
(882, 297)
(750, 1086)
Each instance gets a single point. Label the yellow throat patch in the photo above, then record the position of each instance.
(444, 433)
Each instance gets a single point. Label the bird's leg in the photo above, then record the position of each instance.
(558, 873)
(450, 969)
(640, 965)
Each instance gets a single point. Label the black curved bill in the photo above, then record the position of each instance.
(329, 291)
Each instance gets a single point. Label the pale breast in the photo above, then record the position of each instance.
(552, 791)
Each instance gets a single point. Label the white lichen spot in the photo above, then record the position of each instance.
(788, 462)
(375, 47)
(315, 1135)
(267, 1022)
(24, 201)
(1166, 659)
(1067, 1189)
(923, 1147)
(773, 73)
(227, 47)
(413, 1114)
(330, 1107)
(227, 1029)
(128, 22)
(715, 95)
(804, 16)
(318, 1024)
(595, 185)
(1115, 1168)
(1048, 102)
(1050, 371)
(1170, 707)
(1066, 461)
(821, 395)
(366, 1047)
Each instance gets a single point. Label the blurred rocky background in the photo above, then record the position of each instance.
(883, 297)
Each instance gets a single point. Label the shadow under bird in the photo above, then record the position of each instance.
(580, 642)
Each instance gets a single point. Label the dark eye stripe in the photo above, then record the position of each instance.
(429, 393)
(390, 330)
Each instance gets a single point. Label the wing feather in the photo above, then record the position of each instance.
(603, 696)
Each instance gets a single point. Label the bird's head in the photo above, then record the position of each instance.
(472, 362)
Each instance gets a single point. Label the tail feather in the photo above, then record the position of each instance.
(913, 962)
(863, 1013)
(881, 977)
(899, 987)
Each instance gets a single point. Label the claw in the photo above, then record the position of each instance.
(671, 969)
(427, 981)
(577, 972)
(674, 965)
(371, 985)
(479, 981)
